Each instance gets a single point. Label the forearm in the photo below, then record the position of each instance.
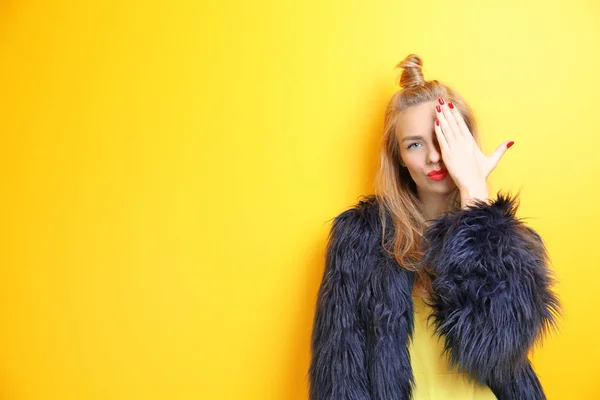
(491, 284)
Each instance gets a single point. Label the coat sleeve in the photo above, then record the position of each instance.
(491, 297)
(338, 350)
(387, 307)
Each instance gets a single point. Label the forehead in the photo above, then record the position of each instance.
(417, 119)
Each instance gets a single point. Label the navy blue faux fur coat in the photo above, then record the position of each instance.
(491, 301)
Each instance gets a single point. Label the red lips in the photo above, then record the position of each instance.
(438, 174)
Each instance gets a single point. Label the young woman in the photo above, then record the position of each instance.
(430, 245)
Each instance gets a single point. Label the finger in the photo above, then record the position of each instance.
(501, 149)
(444, 147)
(445, 127)
(498, 153)
(464, 129)
(451, 120)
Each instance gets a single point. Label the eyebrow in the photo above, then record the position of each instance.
(412, 138)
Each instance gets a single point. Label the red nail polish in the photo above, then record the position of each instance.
(510, 144)
(438, 108)
(441, 101)
(437, 122)
(451, 105)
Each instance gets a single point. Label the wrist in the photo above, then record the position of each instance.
(471, 194)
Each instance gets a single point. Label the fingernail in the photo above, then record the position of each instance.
(438, 108)
(450, 105)
(441, 101)
(437, 122)
(510, 144)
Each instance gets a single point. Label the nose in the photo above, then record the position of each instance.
(434, 154)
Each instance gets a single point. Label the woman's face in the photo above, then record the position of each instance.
(420, 150)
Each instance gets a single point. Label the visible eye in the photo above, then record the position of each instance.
(412, 144)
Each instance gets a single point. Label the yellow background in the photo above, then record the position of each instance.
(169, 170)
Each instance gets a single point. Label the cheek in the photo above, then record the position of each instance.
(413, 160)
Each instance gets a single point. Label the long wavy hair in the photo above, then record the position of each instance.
(394, 187)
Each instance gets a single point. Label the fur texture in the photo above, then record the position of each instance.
(492, 295)
(363, 316)
(491, 301)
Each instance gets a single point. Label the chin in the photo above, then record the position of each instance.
(442, 187)
(445, 190)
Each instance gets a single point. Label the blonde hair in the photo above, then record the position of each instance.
(394, 187)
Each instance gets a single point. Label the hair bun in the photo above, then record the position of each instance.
(411, 75)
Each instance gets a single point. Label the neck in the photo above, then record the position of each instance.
(434, 204)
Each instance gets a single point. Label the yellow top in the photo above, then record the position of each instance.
(434, 378)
